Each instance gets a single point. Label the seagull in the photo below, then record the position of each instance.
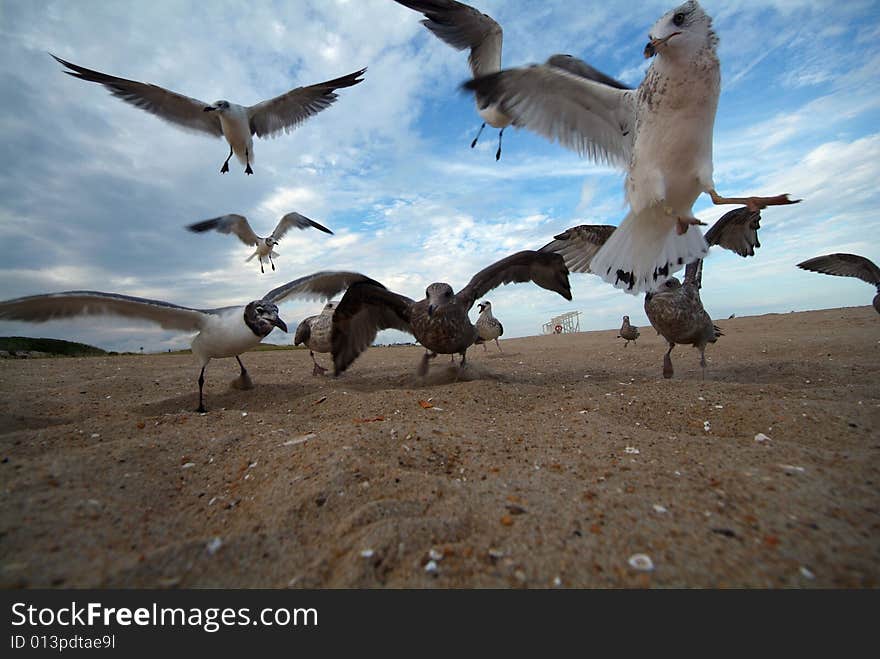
(674, 309)
(237, 123)
(439, 322)
(239, 225)
(225, 332)
(847, 265)
(488, 326)
(462, 27)
(660, 134)
(314, 332)
(628, 332)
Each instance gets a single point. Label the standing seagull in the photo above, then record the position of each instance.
(239, 225)
(628, 332)
(315, 332)
(847, 265)
(462, 27)
(488, 326)
(660, 134)
(225, 332)
(237, 123)
(439, 322)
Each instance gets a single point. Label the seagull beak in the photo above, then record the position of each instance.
(280, 324)
(654, 44)
(430, 310)
(210, 108)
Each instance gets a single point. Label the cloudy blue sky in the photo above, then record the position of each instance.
(94, 193)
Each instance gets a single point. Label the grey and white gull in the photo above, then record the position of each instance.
(237, 123)
(489, 328)
(224, 332)
(239, 225)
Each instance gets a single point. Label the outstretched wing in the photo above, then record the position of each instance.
(303, 331)
(299, 221)
(594, 119)
(363, 311)
(320, 285)
(231, 223)
(844, 265)
(175, 108)
(579, 245)
(286, 112)
(462, 26)
(545, 269)
(583, 70)
(737, 231)
(69, 304)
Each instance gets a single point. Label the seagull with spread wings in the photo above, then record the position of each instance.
(238, 225)
(236, 123)
(224, 332)
(660, 134)
(439, 322)
(847, 265)
(465, 27)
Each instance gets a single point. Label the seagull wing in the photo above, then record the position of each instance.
(579, 245)
(363, 311)
(583, 70)
(462, 26)
(594, 119)
(299, 221)
(320, 285)
(231, 223)
(303, 331)
(737, 231)
(286, 112)
(547, 270)
(174, 108)
(56, 306)
(844, 265)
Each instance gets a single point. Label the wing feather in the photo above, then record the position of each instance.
(231, 223)
(320, 285)
(578, 245)
(300, 222)
(844, 265)
(736, 230)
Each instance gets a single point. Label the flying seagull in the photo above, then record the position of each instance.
(439, 322)
(315, 332)
(628, 332)
(660, 134)
(225, 332)
(847, 265)
(674, 308)
(239, 225)
(237, 123)
(488, 326)
(465, 27)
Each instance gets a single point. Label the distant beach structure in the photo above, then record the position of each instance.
(567, 322)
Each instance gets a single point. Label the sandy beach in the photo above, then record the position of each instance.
(549, 465)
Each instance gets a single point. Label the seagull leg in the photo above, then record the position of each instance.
(201, 409)
(243, 381)
(479, 132)
(271, 261)
(247, 157)
(318, 370)
(498, 152)
(423, 366)
(225, 167)
(667, 362)
(261, 264)
(753, 203)
(703, 360)
(684, 223)
(499, 345)
(485, 349)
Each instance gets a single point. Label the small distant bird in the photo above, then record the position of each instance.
(225, 332)
(439, 322)
(239, 225)
(315, 332)
(628, 332)
(488, 326)
(462, 27)
(660, 134)
(237, 123)
(847, 265)
(674, 308)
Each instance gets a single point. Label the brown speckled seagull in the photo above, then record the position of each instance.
(439, 322)
(847, 265)
(489, 328)
(628, 332)
(314, 332)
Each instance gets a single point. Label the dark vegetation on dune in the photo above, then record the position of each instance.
(50, 346)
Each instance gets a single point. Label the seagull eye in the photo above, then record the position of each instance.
(678, 19)
(259, 309)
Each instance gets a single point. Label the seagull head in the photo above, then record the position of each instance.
(330, 306)
(484, 306)
(438, 295)
(626, 319)
(219, 106)
(685, 29)
(262, 317)
(271, 242)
